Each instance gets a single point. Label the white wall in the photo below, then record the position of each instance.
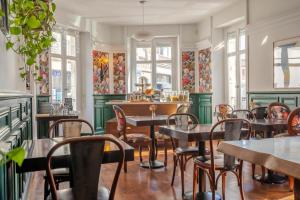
(280, 22)
(9, 69)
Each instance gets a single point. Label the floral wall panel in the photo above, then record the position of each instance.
(101, 72)
(44, 73)
(188, 71)
(205, 76)
(119, 73)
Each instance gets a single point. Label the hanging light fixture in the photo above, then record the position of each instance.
(143, 35)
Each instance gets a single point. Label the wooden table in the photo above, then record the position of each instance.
(278, 154)
(151, 122)
(268, 127)
(44, 120)
(199, 133)
(37, 150)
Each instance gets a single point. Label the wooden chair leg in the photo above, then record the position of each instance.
(263, 174)
(140, 153)
(46, 188)
(253, 171)
(181, 162)
(223, 185)
(291, 183)
(195, 178)
(240, 180)
(166, 153)
(174, 169)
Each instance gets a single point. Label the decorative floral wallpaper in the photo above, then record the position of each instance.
(44, 73)
(204, 60)
(188, 71)
(101, 72)
(119, 73)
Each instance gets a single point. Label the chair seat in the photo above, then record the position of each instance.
(160, 136)
(205, 161)
(66, 194)
(187, 150)
(136, 138)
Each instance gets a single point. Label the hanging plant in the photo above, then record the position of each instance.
(30, 25)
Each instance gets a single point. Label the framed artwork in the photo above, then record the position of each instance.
(4, 26)
(204, 61)
(119, 73)
(101, 72)
(286, 63)
(188, 71)
(44, 73)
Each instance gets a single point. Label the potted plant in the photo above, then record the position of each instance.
(16, 155)
(30, 31)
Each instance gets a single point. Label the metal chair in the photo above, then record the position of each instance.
(135, 139)
(182, 153)
(86, 155)
(242, 114)
(223, 111)
(277, 110)
(164, 141)
(71, 128)
(222, 163)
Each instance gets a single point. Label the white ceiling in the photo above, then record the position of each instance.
(129, 12)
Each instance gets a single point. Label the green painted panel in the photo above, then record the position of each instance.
(202, 107)
(103, 112)
(3, 182)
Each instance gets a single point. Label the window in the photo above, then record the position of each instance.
(63, 66)
(155, 61)
(236, 69)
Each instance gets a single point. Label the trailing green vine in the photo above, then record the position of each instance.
(30, 25)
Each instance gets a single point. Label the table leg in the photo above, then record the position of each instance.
(153, 163)
(297, 189)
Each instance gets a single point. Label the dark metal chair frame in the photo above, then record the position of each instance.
(61, 177)
(122, 132)
(210, 169)
(182, 155)
(87, 139)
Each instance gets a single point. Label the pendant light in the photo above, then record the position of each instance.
(143, 36)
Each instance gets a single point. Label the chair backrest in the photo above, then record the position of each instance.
(121, 121)
(223, 111)
(86, 154)
(70, 128)
(294, 122)
(242, 113)
(184, 108)
(277, 110)
(260, 112)
(232, 129)
(185, 121)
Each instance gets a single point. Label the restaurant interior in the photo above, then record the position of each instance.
(149, 99)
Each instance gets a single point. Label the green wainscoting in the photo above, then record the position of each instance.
(15, 127)
(292, 98)
(103, 112)
(42, 126)
(202, 107)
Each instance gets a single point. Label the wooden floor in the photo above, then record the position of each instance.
(144, 184)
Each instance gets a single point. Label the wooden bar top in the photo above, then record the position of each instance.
(145, 103)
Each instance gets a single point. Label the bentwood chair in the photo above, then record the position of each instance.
(242, 114)
(223, 111)
(86, 155)
(220, 162)
(135, 139)
(70, 128)
(182, 153)
(164, 141)
(279, 111)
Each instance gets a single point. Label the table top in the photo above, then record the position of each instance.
(54, 117)
(37, 150)
(277, 154)
(147, 120)
(198, 132)
(269, 122)
(145, 103)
